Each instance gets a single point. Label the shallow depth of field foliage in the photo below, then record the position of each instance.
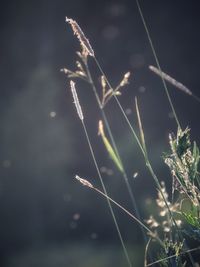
(172, 233)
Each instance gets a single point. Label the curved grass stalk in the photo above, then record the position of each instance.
(146, 252)
(147, 161)
(105, 193)
(157, 62)
(81, 117)
(82, 38)
(88, 184)
(124, 174)
(120, 106)
(163, 80)
(141, 146)
(87, 50)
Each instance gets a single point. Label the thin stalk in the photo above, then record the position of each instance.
(157, 62)
(130, 215)
(163, 81)
(132, 197)
(89, 185)
(146, 251)
(105, 192)
(144, 152)
(173, 256)
(81, 117)
(121, 108)
(124, 174)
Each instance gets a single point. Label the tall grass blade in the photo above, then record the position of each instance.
(124, 175)
(109, 148)
(78, 107)
(157, 61)
(140, 126)
(163, 81)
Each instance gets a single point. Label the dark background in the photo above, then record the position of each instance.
(46, 217)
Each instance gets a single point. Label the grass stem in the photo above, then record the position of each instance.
(105, 193)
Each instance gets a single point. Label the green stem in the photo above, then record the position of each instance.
(115, 147)
(144, 152)
(157, 62)
(130, 215)
(105, 193)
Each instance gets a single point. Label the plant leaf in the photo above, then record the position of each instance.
(109, 148)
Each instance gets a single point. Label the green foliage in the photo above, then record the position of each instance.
(192, 219)
(109, 148)
(183, 162)
(173, 259)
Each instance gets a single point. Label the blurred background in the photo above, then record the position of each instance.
(46, 217)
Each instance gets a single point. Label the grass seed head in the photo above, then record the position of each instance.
(84, 181)
(85, 44)
(76, 100)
